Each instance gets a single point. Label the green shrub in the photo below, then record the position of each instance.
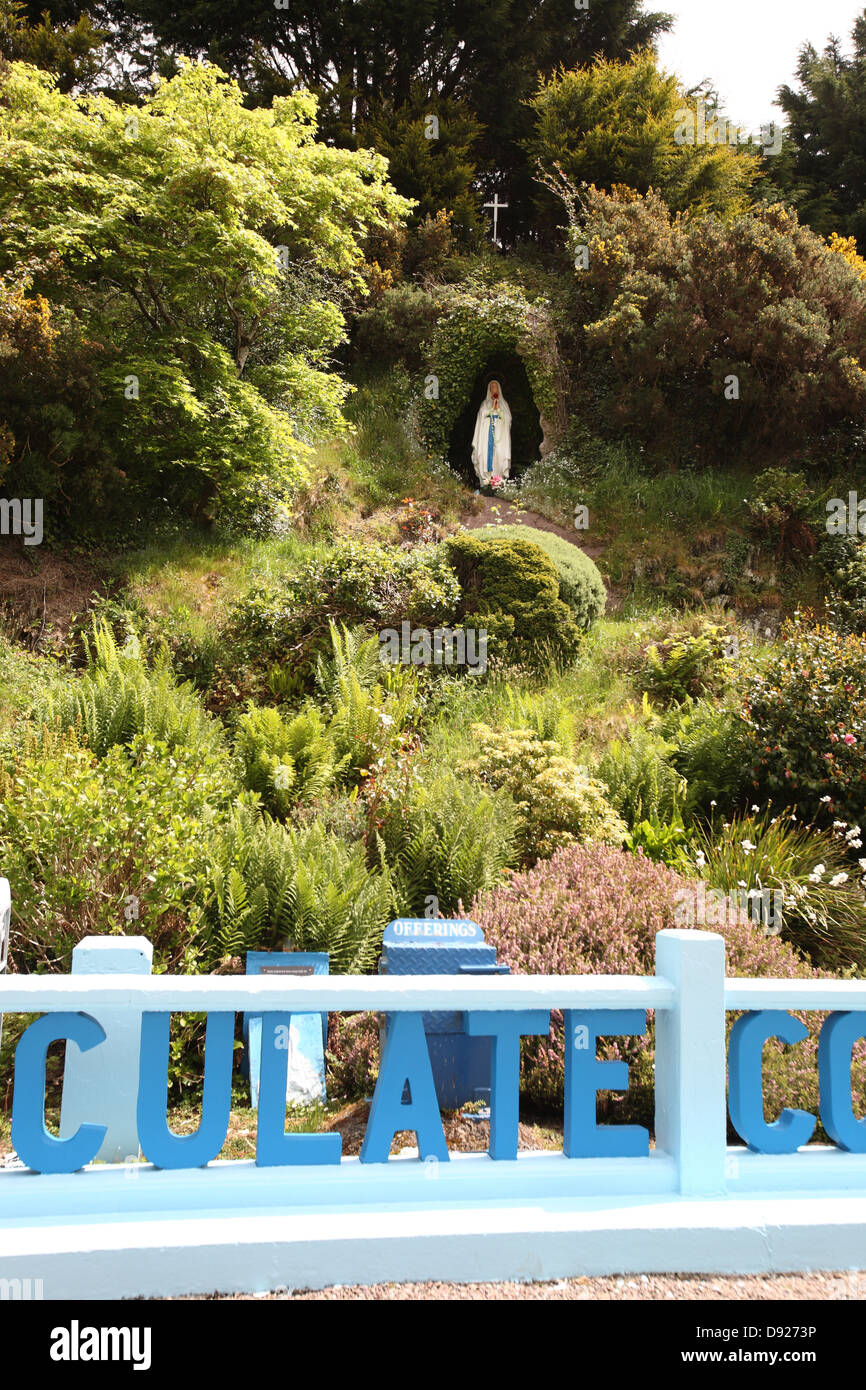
(118, 698)
(844, 560)
(511, 588)
(108, 847)
(779, 507)
(25, 680)
(270, 885)
(806, 716)
(285, 760)
(581, 586)
(353, 584)
(447, 839)
(395, 328)
(559, 802)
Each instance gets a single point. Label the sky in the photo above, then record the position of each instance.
(749, 47)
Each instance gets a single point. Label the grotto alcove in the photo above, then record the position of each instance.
(526, 429)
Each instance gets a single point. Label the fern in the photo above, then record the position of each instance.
(286, 761)
(452, 841)
(271, 885)
(118, 697)
(641, 779)
(371, 705)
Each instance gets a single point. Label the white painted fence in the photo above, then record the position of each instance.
(693, 1204)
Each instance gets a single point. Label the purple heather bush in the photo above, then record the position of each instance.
(592, 910)
(352, 1055)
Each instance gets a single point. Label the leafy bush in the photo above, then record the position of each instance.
(118, 698)
(108, 847)
(591, 910)
(806, 715)
(511, 588)
(844, 560)
(672, 310)
(558, 801)
(581, 586)
(353, 584)
(285, 760)
(446, 838)
(779, 507)
(396, 327)
(270, 884)
(821, 902)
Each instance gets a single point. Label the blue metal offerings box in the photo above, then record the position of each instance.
(444, 946)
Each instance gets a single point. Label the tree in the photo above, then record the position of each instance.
(429, 146)
(206, 246)
(366, 56)
(823, 168)
(73, 51)
(715, 336)
(618, 123)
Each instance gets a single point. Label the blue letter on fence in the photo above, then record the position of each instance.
(506, 1029)
(404, 1058)
(30, 1139)
(160, 1146)
(273, 1146)
(586, 1075)
(838, 1036)
(746, 1084)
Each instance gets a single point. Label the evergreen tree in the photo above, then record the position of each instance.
(823, 168)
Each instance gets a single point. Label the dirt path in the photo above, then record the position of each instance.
(490, 510)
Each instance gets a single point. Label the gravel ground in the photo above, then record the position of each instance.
(641, 1287)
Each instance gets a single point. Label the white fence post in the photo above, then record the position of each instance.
(101, 1086)
(690, 1107)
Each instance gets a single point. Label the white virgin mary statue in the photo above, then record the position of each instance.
(491, 443)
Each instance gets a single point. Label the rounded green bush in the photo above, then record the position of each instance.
(511, 588)
(580, 583)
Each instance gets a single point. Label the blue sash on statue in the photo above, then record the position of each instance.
(490, 445)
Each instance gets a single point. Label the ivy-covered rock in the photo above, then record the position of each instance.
(477, 322)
